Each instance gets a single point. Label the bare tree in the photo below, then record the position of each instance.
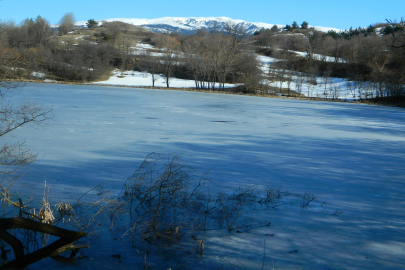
(349, 50)
(289, 80)
(67, 23)
(211, 58)
(114, 29)
(237, 31)
(170, 47)
(124, 45)
(251, 75)
(220, 53)
(192, 51)
(326, 77)
(333, 47)
(32, 33)
(360, 86)
(299, 80)
(376, 57)
(311, 74)
(266, 37)
(280, 76)
(352, 89)
(229, 56)
(335, 91)
(14, 156)
(313, 41)
(151, 64)
(310, 89)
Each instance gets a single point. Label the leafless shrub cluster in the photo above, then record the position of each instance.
(158, 205)
(229, 208)
(160, 201)
(271, 195)
(162, 204)
(307, 199)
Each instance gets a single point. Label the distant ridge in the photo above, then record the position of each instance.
(188, 25)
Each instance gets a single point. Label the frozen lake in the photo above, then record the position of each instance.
(351, 157)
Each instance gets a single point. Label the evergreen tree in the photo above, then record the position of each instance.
(304, 25)
(370, 30)
(91, 23)
(333, 34)
(256, 33)
(388, 30)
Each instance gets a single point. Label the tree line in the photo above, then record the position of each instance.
(372, 56)
(211, 58)
(34, 46)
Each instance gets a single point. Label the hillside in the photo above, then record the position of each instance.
(229, 55)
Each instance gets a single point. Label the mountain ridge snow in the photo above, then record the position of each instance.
(188, 25)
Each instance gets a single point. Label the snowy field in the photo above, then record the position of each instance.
(320, 57)
(337, 88)
(350, 157)
(136, 78)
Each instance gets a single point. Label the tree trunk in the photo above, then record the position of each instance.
(21, 260)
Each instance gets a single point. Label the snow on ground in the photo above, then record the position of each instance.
(265, 62)
(140, 52)
(136, 78)
(349, 156)
(336, 88)
(320, 57)
(340, 86)
(143, 46)
(154, 54)
(38, 74)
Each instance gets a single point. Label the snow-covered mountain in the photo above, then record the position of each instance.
(188, 25)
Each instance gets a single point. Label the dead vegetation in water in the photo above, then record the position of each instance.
(162, 206)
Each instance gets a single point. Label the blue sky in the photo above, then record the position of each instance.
(340, 14)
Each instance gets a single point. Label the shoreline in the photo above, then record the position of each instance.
(366, 102)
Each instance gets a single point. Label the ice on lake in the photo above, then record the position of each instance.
(350, 157)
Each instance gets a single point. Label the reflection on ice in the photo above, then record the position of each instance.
(349, 156)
